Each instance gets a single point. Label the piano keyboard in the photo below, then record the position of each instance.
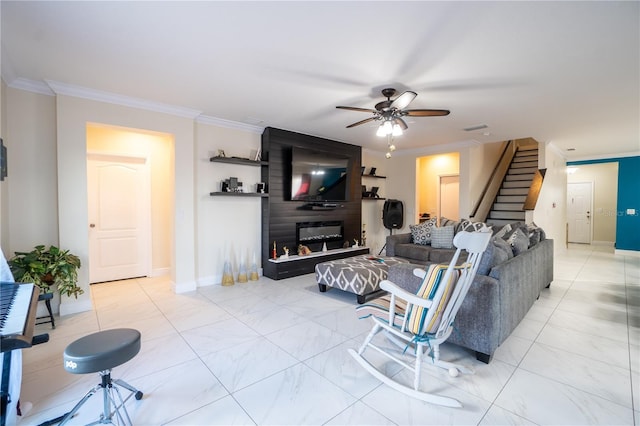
(18, 303)
(14, 309)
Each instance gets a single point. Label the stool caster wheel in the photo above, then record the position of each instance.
(138, 395)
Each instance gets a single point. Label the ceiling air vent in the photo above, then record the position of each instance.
(476, 127)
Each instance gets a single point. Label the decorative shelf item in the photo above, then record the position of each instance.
(238, 160)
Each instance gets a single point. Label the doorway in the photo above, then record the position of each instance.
(579, 200)
(130, 202)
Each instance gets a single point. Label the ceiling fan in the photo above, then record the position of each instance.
(390, 112)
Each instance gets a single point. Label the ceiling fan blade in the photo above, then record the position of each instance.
(373, 111)
(425, 112)
(400, 122)
(403, 100)
(366, 120)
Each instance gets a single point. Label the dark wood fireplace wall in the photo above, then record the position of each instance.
(279, 216)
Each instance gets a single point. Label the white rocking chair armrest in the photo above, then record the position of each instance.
(404, 294)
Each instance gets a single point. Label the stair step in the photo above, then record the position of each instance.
(521, 164)
(523, 170)
(516, 184)
(521, 158)
(514, 191)
(513, 207)
(511, 198)
(506, 215)
(529, 148)
(527, 176)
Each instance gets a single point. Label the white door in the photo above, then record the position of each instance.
(449, 197)
(579, 212)
(119, 212)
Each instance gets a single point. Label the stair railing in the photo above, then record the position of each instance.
(490, 191)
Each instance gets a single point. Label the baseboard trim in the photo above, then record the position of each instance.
(184, 287)
(209, 281)
(75, 307)
(603, 243)
(633, 253)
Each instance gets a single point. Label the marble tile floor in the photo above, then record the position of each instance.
(275, 353)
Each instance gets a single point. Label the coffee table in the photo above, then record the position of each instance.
(360, 275)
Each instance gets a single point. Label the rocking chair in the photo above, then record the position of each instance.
(423, 320)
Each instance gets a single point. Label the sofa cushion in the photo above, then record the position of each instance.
(413, 251)
(442, 237)
(445, 256)
(421, 233)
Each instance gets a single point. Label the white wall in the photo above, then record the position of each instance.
(372, 209)
(73, 114)
(30, 216)
(550, 213)
(228, 228)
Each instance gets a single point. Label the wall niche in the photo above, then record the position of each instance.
(281, 216)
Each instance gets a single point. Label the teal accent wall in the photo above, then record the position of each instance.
(627, 225)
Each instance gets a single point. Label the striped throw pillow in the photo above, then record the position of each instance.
(430, 284)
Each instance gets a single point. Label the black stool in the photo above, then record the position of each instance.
(99, 353)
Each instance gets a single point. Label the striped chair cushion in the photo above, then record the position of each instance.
(430, 284)
(379, 307)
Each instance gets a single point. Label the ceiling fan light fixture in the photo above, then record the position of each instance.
(381, 132)
(397, 130)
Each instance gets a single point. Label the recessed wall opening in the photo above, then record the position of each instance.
(315, 234)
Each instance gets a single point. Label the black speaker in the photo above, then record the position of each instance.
(392, 214)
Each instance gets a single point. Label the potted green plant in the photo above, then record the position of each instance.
(47, 267)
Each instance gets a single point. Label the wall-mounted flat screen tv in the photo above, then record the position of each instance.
(318, 176)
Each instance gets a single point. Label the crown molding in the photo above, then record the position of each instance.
(53, 88)
(113, 98)
(221, 122)
(557, 150)
(33, 86)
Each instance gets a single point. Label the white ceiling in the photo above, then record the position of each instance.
(561, 72)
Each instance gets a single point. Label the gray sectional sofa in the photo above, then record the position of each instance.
(503, 291)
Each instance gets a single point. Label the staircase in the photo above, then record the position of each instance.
(508, 205)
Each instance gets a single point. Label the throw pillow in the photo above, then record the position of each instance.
(421, 233)
(442, 237)
(448, 222)
(467, 225)
(518, 241)
(536, 234)
(503, 231)
(503, 246)
(497, 252)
